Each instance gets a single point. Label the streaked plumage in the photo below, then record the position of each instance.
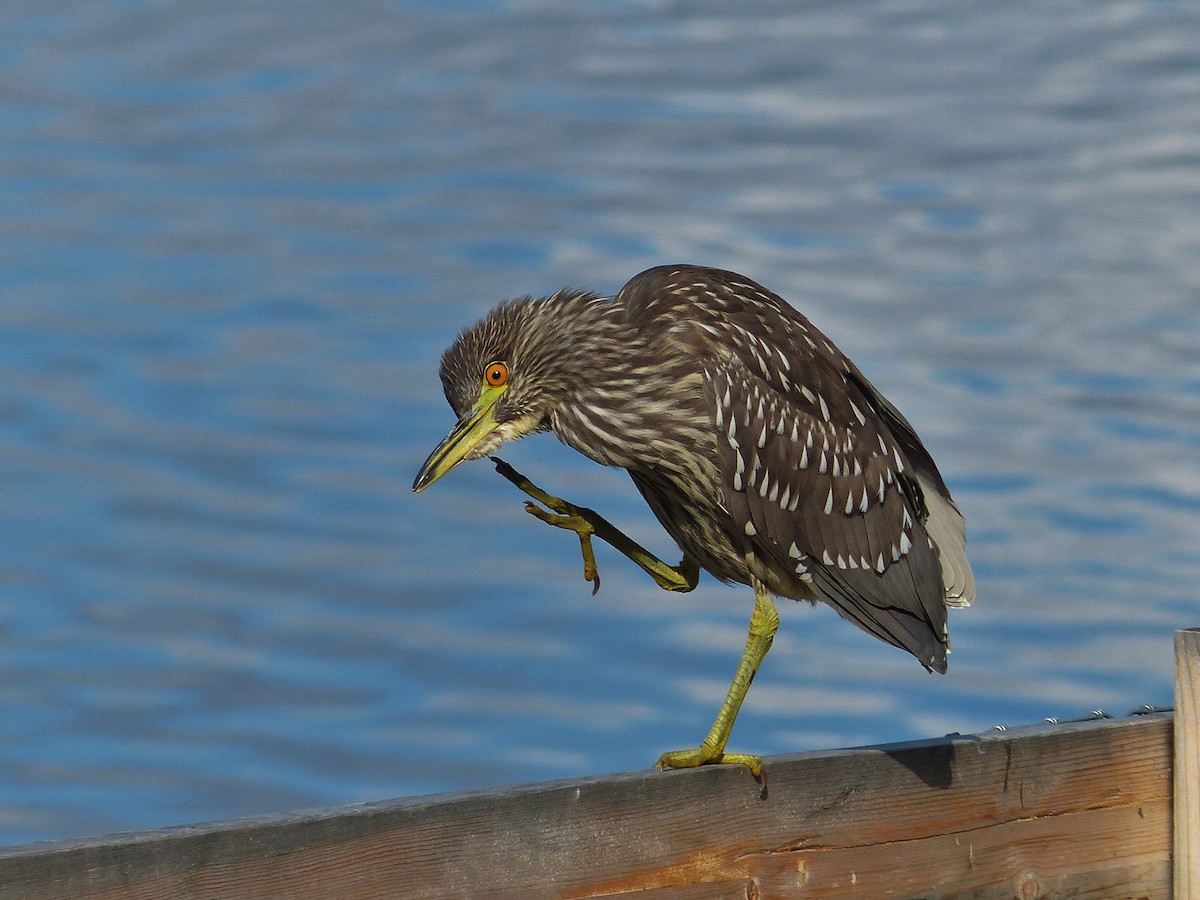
(763, 451)
(760, 447)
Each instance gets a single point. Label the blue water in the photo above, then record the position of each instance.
(235, 238)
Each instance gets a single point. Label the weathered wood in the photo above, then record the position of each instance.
(1187, 762)
(1082, 809)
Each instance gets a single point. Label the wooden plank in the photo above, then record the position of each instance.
(1187, 762)
(1082, 809)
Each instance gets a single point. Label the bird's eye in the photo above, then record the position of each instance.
(496, 374)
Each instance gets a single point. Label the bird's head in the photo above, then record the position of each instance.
(505, 375)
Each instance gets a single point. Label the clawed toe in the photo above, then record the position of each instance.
(706, 756)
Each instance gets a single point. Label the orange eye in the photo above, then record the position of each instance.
(496, 374)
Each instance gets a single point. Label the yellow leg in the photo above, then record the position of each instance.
(587, 522)
(764, 622)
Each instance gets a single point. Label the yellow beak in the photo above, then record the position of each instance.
(472, 428)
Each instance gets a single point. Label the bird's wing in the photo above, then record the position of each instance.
(826, 478)
(825, 495)
(944, 522)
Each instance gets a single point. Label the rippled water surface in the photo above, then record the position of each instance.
(234, 239)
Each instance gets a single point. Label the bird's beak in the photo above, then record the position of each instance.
(472, 428)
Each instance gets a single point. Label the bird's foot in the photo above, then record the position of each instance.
(705, 755)
(561, 514)
(586, 523)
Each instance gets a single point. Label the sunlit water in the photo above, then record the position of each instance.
(234, 239)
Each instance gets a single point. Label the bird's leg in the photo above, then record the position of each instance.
(586, 523)
(764, 622)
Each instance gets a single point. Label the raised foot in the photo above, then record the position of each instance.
(706, 756)
(586, 523)
(560, 514)
(566, 515)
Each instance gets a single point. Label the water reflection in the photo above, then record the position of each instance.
(235, 242)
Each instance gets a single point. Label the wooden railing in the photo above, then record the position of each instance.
(1080, 809)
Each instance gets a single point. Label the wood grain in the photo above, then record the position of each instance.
(1080, 809)
(1187, 763)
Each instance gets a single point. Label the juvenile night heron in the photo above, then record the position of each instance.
(763, 451)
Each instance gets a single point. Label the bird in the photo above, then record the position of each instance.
(762, 450)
